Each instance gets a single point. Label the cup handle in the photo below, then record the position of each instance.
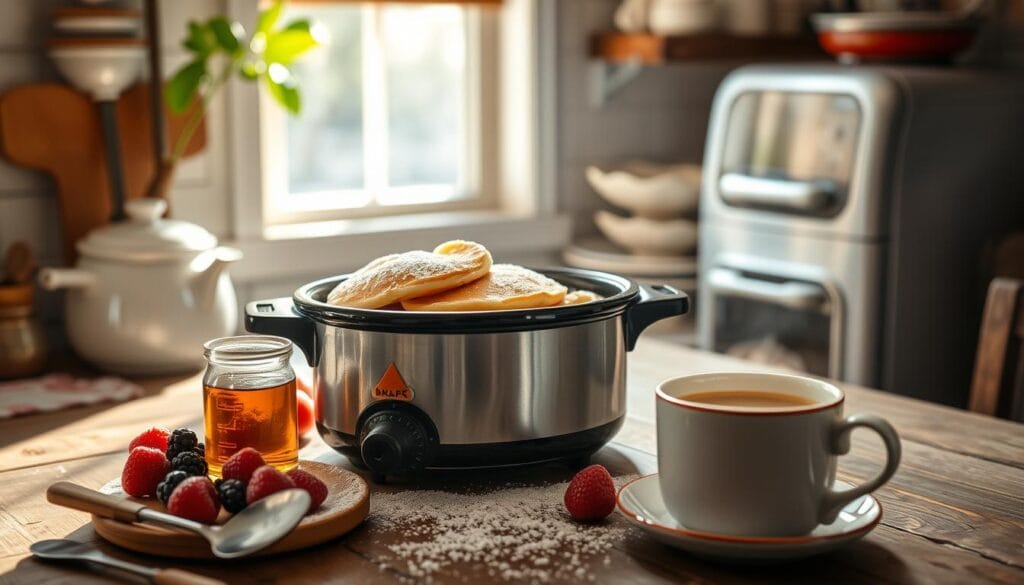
(835, 500)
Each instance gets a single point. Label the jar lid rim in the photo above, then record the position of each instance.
(245, 348)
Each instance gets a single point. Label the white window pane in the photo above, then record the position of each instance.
(325, 141)
(426, 78)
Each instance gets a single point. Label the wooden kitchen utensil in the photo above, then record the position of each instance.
(347, 504)
(53, 128)
(18, 264)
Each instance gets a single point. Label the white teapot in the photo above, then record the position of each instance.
(147, 293)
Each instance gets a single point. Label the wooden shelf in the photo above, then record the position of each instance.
(652, 49)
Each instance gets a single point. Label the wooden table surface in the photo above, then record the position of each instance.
(953, 513)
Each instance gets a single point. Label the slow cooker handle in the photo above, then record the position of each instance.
(278, 317)
(656, 302)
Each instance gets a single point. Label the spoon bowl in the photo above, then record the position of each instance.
(259, 525)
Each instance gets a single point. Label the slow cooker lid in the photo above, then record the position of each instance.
(618, 293)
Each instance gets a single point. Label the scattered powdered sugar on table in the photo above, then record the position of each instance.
(513, 533)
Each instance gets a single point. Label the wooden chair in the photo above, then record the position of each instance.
(998, 385)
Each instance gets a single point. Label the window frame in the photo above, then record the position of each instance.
(482, 38)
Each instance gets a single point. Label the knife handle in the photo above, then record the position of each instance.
(71, 495)
(179, 577)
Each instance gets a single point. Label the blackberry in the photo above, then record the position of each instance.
(201, 449)
(166, 487)
(180, 441)
(232, 495)
(190, 462)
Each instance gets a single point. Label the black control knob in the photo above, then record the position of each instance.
(396, 442)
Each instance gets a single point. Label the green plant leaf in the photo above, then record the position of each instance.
(229, 35)
(288, 45)
(282, 87)
(200, 39)
(298, 24)
(183, 87)
(268, 18)
(251, 69)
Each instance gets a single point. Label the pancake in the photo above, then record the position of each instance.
(507, 286)
(396, 277)
(578, 297)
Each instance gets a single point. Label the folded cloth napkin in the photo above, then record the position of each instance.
(59, 391)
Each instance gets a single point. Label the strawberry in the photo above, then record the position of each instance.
(155, 438)
(195, 498)
(241, 465)
(265, 481)
(312, 484)
(306, 418)
(143, 471)
(591, 494)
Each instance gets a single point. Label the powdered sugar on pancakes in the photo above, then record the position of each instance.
(507, 286)
(396, 277)
(520, 534)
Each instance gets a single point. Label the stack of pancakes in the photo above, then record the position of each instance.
(456, 276)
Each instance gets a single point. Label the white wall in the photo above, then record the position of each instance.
(661, 115)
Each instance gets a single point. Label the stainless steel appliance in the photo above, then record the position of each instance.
(399, 391)
(844, 216)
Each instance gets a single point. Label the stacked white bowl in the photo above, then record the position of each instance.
(661, 201)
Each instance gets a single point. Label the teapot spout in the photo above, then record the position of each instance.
(208, 267)
(58, 278)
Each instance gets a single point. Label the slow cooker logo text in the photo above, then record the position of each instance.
(392, 386)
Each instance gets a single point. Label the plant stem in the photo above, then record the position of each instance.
(199, 112)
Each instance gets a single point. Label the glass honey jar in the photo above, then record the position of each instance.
(249, 400)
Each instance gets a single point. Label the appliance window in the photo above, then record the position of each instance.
(772, 334)
(791, 135)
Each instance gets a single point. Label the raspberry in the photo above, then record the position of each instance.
(143, 471)
(241, 465)
(591, 494)
(265, 481)
(312, 484)
(155, 438)
(232, 495)
(196, 499)
(190, 462)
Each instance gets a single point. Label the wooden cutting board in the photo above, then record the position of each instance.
(55, 129)
(347, 504)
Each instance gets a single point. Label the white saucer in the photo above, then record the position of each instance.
(640, 502)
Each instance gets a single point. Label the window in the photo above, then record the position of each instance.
(392, 117)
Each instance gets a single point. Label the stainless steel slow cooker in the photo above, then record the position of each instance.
(399, 391)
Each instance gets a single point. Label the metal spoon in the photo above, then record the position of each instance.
(69, 550)
(258, 526)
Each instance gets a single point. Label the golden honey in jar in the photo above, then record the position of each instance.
(249, 400)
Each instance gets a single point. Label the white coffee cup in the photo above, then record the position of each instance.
(758, 471)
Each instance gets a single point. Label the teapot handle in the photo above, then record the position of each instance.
(278, 317)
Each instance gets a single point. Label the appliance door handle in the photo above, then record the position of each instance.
(795, 295)
(739, 189)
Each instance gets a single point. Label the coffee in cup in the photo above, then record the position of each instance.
(755, 454)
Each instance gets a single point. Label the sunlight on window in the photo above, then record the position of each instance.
(385, 117)
(325, 142)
